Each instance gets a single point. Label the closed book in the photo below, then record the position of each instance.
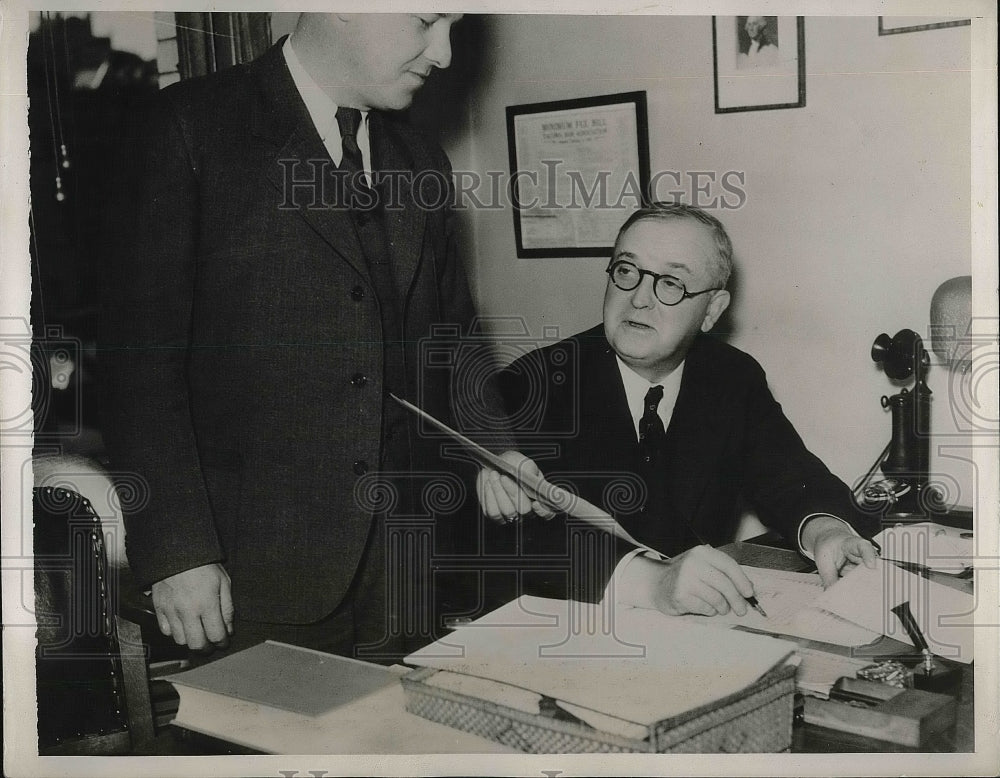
(278, 698)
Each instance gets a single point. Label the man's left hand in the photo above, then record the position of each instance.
(500, 496)
(837, 550)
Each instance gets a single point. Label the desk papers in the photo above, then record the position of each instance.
(791, 603)
(632, 664)
(856, 610)
(945, 615)
(931, 545)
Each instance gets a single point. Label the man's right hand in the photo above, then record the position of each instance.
(702, 580)
(195, 607)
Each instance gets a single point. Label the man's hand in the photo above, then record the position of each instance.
(501, 498)
(195, 607)
(835, 548)
(702, 580)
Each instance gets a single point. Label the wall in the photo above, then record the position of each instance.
(857, 204)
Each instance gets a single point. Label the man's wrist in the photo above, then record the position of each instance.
(815, 526)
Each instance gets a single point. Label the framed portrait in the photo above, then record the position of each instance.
(578, 168)
(759, 62)
(893, 25)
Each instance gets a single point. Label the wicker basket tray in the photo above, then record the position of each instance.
(756, 720)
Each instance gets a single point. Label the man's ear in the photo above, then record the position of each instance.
(716, 307)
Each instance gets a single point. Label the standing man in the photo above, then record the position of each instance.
(286, 247)
(675, 433)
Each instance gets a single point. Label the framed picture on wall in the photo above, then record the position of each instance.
(892, 25)
(578, 168)
(759, 62)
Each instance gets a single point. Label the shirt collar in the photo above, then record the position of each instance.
(322, 109)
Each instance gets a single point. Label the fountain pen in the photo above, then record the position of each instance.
(755, 605)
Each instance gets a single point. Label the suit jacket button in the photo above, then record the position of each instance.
(358, 293)
(360, 467)
(359, 379)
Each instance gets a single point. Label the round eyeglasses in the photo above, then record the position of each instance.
(668, 289)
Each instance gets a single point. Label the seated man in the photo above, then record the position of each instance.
(672, 431)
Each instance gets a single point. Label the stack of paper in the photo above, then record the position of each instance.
(629, 664)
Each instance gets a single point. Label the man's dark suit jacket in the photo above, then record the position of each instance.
(244, 357)
(728, 447)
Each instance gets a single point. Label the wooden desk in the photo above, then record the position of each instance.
(806, 738)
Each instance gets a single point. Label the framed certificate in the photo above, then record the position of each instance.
(578, 169)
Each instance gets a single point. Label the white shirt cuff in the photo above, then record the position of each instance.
(625, 594)
(798, 540)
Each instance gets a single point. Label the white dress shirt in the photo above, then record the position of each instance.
(323, 112)
(636, 388)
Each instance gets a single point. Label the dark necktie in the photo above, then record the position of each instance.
(349, 119)
(651, 432)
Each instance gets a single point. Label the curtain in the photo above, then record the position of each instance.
(208, 42)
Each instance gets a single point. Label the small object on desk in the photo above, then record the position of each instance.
(890, 673)
(908, 717)
(930, 675)
(905, 615)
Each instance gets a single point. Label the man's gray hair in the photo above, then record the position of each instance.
(665, 211)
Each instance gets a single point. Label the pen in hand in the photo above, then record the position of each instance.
(752, 601)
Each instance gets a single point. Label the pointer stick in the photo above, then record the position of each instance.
(547, 493)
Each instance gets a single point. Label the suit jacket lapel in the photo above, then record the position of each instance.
(404, 219)
(603, 401)
(696, 433)
(282, 121)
